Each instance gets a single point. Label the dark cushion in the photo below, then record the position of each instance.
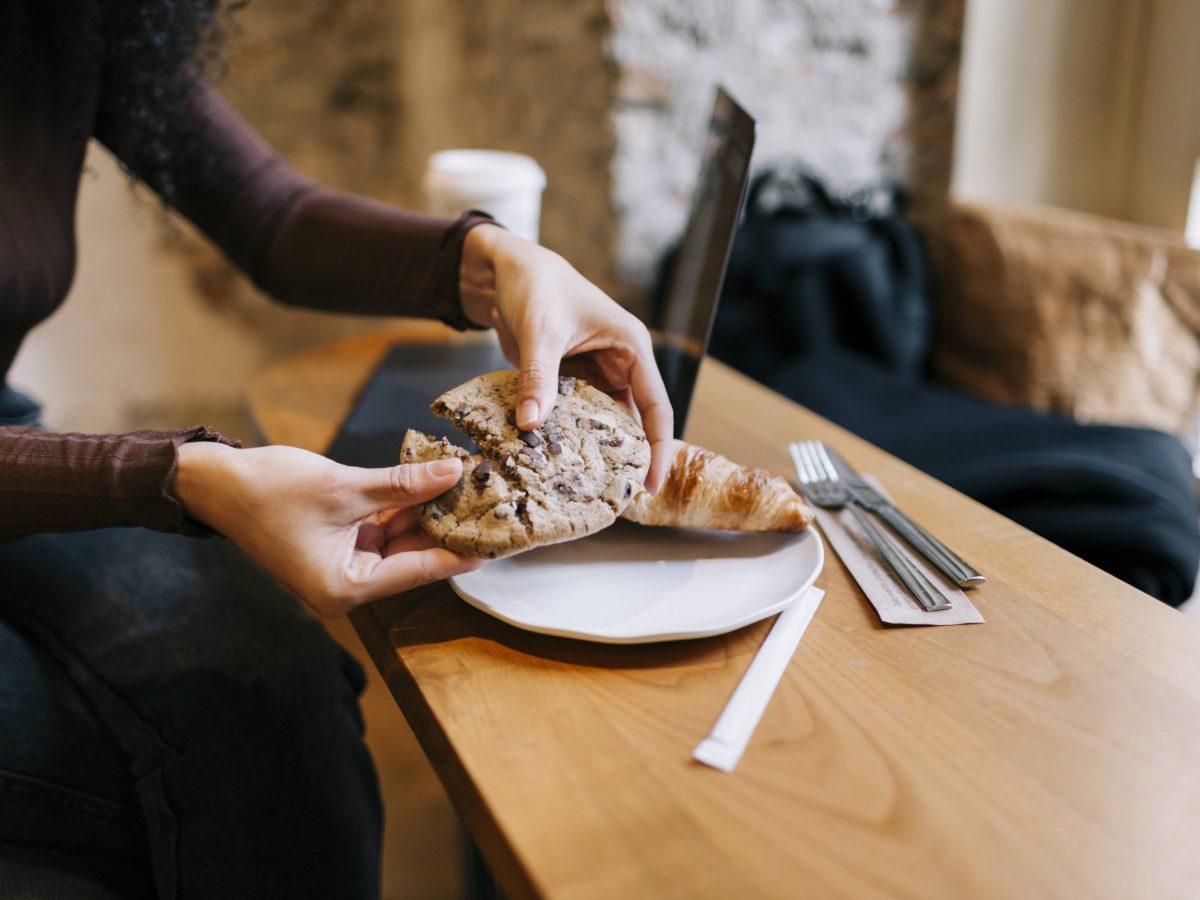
(1121, 498)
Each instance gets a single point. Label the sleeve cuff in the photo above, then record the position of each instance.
(174, 517)
(447, 279)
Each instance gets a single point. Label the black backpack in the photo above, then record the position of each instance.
(811, 271)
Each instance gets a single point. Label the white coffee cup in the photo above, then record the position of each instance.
(507, 185)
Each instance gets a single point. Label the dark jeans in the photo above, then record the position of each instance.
(173, 723)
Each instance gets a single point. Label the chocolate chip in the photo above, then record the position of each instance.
(613, 441)
(555, 448)
(552, 436)
(565, 489)
(596, 423)
(511, 418)
(481, 473)
(628, 490)
(530, 438)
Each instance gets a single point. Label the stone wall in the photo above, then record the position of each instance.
(855, 90)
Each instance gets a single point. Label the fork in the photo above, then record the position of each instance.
(821, 484)
(869, 498)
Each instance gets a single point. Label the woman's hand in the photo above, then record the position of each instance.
(550, 318)
(336, 536)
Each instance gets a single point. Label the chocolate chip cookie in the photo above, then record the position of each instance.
(480, 516)
(568, 478)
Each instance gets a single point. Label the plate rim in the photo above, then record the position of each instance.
(724, 628)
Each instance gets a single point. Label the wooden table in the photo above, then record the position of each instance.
(1053, 752)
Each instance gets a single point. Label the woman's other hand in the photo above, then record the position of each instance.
(549, 319)
(336, 536)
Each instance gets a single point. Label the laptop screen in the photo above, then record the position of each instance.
(693, 285)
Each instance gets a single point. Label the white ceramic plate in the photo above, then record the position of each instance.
(629, 584)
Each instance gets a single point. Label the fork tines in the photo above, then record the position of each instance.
(812, 462)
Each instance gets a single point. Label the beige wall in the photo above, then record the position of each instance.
(1089, 104)
(1169, 124)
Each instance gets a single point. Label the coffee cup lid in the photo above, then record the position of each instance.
(483, 172)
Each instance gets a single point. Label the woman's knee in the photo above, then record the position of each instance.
(176, 635)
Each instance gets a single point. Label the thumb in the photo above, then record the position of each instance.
(537, 387)
(407, 484)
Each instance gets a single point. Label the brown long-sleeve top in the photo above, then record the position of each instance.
(300, 242)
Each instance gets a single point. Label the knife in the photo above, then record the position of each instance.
(950, 563)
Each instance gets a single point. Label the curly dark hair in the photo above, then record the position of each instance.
(151, 53)
(154, 51)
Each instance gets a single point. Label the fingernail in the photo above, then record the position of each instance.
(445, 467)
(527, 412)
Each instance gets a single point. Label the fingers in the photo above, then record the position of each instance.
(650, 396)
(406, 485)
(537, 387)
(414, 539)
(625, 398)
(403, 571)
(508, 344)
(401, 521)
(585, 365)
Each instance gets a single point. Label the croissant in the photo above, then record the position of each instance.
(705, 490)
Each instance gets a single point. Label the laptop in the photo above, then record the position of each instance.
(398, 394)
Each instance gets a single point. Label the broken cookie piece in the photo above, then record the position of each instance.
(476, 517)
(564, 480)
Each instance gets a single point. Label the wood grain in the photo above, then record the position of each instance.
(1053, 752)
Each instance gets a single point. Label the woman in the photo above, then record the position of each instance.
(165, 701)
